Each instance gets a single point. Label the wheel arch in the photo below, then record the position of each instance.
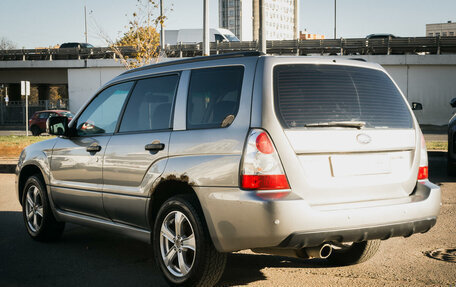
(26, 172)
(168, 188)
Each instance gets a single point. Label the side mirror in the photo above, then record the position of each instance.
(57, 126)
(453, 102)
(417, 106)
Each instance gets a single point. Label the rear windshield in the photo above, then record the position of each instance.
(311, 94)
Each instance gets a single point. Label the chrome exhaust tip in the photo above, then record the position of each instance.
(322, 251)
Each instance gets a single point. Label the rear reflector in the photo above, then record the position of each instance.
(262, 182)
(423, 173)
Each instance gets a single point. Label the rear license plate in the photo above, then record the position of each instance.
(349, 165)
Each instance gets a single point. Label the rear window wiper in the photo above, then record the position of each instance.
(345, 124)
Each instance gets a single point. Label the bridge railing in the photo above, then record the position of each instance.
(342, 46)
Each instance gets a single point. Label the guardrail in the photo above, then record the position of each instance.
(352, 46)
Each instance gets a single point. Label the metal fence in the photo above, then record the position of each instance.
(351, 46)
(13, 114)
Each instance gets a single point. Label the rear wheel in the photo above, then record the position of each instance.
(182, 246)
(35, 131)
(354, 253)
(39, 221)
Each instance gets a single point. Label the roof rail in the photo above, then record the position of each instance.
(358, 59)
(197, 59)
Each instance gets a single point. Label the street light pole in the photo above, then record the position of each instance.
(262, 32)
(85, 23)
(206, 51)
(162, 31)
(335, 18)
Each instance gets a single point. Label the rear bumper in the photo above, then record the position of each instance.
(299, 240)
(239, 220)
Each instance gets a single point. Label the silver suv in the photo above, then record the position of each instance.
(296, 156)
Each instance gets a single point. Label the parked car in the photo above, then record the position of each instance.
(451, 155)
(37, 123)
(380, 36)
(297, 156)
(76, 45)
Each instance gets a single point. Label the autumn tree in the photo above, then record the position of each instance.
(145, 41)
(141, 35)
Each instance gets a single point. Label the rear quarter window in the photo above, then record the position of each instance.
(308, 94)
(213, 96)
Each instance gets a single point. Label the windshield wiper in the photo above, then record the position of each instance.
(345, 124)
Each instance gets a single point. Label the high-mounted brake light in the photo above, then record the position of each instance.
(261, 167)
(423, 171)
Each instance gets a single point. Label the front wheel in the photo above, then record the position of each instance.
(354, 253)
(182, 246)
(39, 220)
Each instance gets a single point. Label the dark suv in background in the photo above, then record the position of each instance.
(451, 167)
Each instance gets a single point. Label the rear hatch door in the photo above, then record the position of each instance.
(348, 133)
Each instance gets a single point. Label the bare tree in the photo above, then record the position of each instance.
(6, 44)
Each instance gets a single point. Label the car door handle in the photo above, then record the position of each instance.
(93, 148)
(155, 146)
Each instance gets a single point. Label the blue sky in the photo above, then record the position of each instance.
(31, 23)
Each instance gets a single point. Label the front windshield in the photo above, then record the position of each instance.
(231, 38)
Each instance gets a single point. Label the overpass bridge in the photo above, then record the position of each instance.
(351, 46)
(424, 68)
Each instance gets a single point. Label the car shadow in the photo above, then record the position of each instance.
(91, 257)
(246, 268)
(82, 257)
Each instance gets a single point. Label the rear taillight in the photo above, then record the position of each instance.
(423, 171)
(261, 167)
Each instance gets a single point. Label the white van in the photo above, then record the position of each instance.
(190, 36)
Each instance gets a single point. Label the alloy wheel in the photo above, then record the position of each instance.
(177, 244)
(34, 208)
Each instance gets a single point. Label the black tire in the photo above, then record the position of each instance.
(35, 131)
(207, 263)
(358, 252)
(39, 220)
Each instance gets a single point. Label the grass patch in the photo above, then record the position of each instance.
(11, 146)
(437, 145)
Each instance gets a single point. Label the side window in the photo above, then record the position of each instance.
(150, 104)
(219, 38)
(213, 97)
(102, 113)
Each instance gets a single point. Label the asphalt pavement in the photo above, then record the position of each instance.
(91, 257)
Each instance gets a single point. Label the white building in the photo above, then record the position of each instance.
(441, 29)
(242, 18)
